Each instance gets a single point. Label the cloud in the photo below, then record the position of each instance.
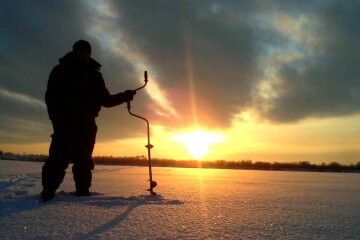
(208, 61)
(202, 54)
(33, 36)
(22, 118)
(321, 76)
(214, 60)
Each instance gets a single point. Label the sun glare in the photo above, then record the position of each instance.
(198, 142)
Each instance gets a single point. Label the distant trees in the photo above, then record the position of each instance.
(242, 164)
(22, 157)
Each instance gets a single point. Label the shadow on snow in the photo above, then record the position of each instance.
(30, 203)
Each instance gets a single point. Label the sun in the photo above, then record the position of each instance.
(198, 142)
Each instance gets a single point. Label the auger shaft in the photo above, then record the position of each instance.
(153, 184)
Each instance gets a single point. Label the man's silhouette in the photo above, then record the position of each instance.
(75, 93)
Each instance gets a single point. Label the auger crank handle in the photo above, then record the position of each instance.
(145, 80)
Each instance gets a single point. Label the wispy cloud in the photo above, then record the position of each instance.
(23, 98)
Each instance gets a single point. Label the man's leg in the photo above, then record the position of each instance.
(83, 176)
(53, 171)
(83, 164)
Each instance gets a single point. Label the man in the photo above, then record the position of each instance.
(74, 96)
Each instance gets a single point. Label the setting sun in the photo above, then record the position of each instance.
(198, 142)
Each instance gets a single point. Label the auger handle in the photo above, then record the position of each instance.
(145, 80)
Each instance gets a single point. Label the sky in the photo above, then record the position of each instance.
(232, 80)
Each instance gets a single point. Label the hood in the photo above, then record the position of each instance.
(69, 58)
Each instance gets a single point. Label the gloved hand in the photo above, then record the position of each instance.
(129, 95)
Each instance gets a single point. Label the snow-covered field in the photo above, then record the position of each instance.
(191, 204)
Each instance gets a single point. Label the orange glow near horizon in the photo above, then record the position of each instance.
(314, 140)
(198, 142)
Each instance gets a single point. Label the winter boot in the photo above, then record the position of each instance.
(82, 192)
(47, 195)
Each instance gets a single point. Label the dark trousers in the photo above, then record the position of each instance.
(70, 142)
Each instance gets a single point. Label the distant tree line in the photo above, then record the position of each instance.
(242, 164)
(222, 164)
(22, 157)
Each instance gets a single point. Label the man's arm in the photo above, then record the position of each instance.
(117, 99)
(52, 94)
(108, 100)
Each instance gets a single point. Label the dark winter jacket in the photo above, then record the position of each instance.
(76, 92)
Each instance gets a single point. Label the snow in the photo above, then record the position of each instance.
(191, 204)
